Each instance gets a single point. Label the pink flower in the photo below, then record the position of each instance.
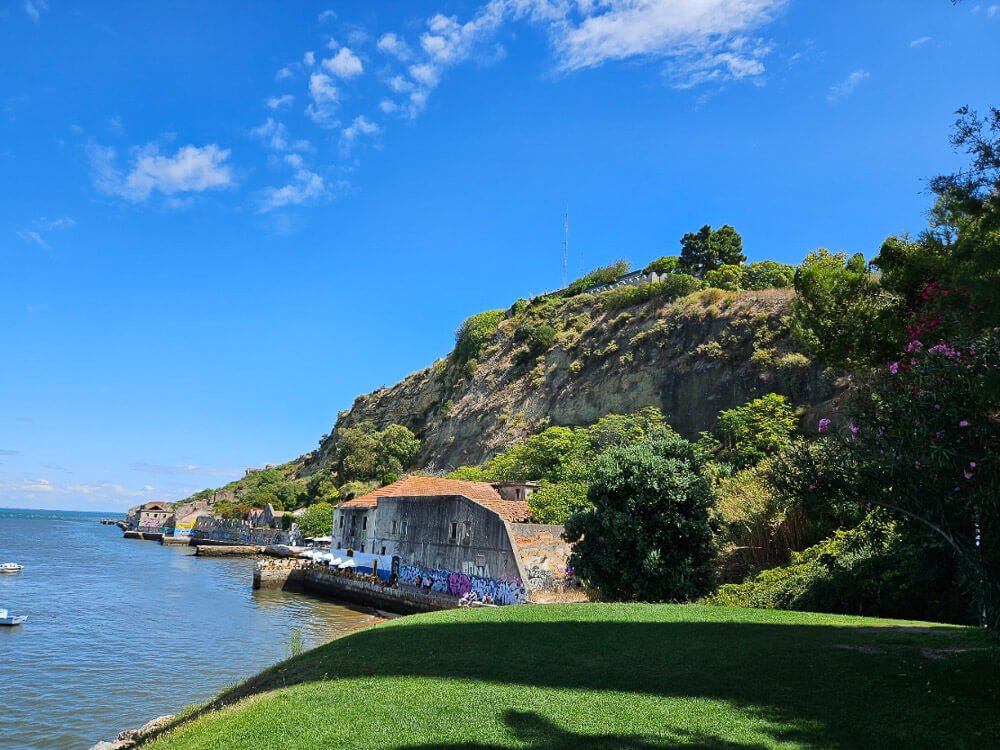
(854, 429)
(972, 464)
(968, 474)
(964, 423)
(823, 424)
(914, 346)
(894, 367)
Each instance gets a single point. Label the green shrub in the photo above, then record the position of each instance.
(554, 502)
(672, 287)
(728, 277)
(759, 428)
(768, 274)
(666, 264)
(474, 334)
(603, 275)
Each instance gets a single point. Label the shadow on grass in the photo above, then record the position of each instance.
(538, 733)
(822, 685)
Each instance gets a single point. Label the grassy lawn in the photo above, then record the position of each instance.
(620, 676)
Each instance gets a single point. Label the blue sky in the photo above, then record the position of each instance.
(220, 223)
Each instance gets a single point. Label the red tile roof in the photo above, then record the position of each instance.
(483, 493)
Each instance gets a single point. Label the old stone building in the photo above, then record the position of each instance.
(155, 516)
(449, 535)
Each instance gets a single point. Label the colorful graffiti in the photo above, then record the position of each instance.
(504, 590)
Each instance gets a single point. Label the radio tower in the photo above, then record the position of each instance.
(565, 246)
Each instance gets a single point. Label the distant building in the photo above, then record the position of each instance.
(266, 517)
(155, 516)
(448, 535)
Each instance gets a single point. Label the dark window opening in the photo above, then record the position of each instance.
(454, 530)
(364, 522)
(383, 551)
(404, 528)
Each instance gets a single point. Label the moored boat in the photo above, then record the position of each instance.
(9, 619)
(9, 567)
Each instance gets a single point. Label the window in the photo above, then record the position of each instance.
(364, 522)
(519, 494)
(383, 551)
(354, 523)
(404, 528)
(362, 548)
(394, 523)
(454, 530)
(467, 537)
(341, 522)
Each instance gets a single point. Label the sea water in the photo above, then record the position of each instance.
(121, 631)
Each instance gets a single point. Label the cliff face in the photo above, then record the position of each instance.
(691, 358)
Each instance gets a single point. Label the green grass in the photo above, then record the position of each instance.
(619, 676)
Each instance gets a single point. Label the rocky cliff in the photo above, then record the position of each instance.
(691, 357)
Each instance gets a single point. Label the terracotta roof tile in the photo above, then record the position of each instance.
(483, 493)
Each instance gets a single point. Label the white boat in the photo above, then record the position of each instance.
(10, 568)
(8, 619)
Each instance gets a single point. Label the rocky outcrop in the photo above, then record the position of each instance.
(134, 737)
(690, 358)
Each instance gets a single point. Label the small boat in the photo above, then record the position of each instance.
(10, 568)
(8, 619)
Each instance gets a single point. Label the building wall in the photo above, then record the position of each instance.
(448, 543)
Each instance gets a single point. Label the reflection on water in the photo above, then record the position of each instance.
(120, 631)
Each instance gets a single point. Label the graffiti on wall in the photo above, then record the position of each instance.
(503, 590)
(241, 532)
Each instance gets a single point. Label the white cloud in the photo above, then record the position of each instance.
(324, 100)
(294, 160)
(34, 237)
(388, 106)
(309, 59)
(920, 40)
(322, 89)
(284, 74)
(847, 87)
(308, 186)
(35, 8)
(391, 44)
(327, 16)
(192, 169)
(277, 102)
(273, 133)
(60, 222)
(345, 64)
(688, 33)
(993, 11)
(361, 126)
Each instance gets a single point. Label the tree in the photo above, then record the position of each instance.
(707, 249)
(649, 536)
(666, 264)
(837, 314)
(557, 454)
(768, 274)
(758, 429)
(397, 450)
(554, 502)
(317, 520)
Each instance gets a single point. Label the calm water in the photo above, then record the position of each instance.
(121, 631)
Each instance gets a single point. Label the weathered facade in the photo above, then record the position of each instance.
(155, 517)
(444, 535)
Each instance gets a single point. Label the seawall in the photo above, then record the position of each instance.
(405, 600)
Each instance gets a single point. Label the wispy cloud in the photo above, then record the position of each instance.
(306, 187)
(845, 88)
(213, 471)
(29, 235)
(277, 102)
(35, 8)
(192, 169)
(360, 127)
(60, 222)
(919, 41)
(6, 452)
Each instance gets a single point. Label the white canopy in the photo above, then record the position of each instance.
(348, 563)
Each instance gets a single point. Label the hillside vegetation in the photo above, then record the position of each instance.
(620, 677)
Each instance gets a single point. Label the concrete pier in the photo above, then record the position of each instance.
(149, 536)
(228, 550)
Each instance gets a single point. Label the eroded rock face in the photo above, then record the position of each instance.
(690, 358)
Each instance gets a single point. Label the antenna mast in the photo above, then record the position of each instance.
(565, 246)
